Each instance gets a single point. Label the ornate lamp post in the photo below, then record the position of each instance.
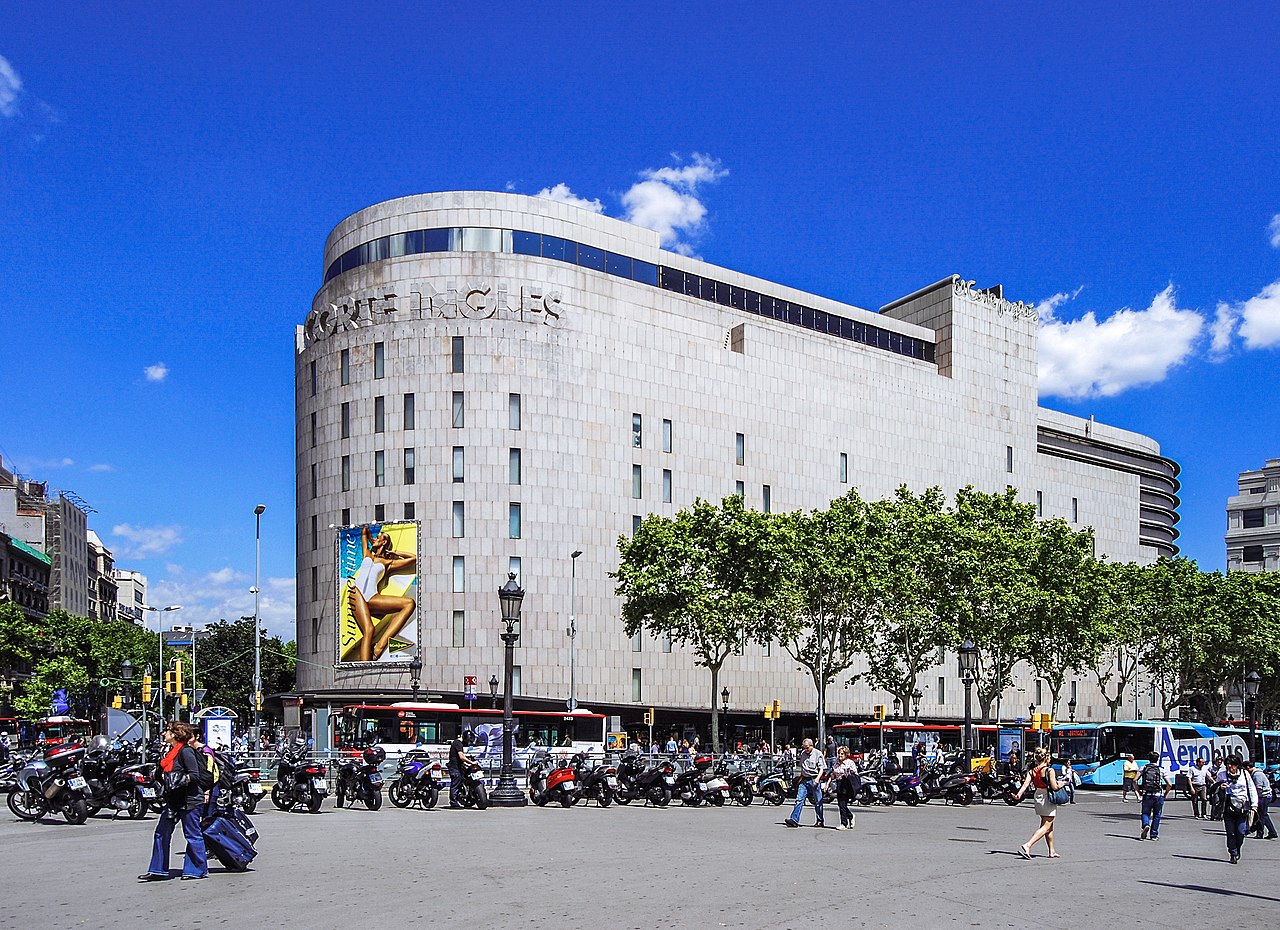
(897, 709)
(1071, 710)
(916, 698)
(572, 703)
(724, 738)
(257, 623)
(510, 596)
(415, 675)
(1252, 683)
(126, 673)
(968, 659)
(493, 690)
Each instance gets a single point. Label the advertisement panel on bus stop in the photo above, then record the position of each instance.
(377, 592)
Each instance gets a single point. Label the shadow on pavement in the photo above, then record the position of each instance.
(1211, 890)
(1197, 858)
(1125, 836)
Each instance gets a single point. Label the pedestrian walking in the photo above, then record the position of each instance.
(186, 781)
(1130, 772)
(811, 768)
(1198, 777)
(1239, 804)
(1043, 779)
(1262, 819)
(1214, 785)
(1155, 787)
(839, 780)
(829, 751)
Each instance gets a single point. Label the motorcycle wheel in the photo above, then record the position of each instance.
(659, 796)
(481, 797)
(606, 797)
(431, 797)
(773, 794)
(281, 800)
(539, 798)
(374, 800)
(92, 808)
(690, 800)
(912, 799)
(137, 807)
(865, 797)
(717, 799)
(76, 812)
(963, 796)
(889, 798)
(25, 805)
(250, 805)
(741, 794)
(315, 799)
(1012, 799)
(568, 800)
(396, 795)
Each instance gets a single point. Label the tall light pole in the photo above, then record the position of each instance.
(257, 625)
(572, 703)
(1252, 684)
(160, 667)
(968, 658)
(724, 738)
(510, 597)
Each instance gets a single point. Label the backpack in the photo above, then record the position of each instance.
(224, 768)
(207, 775)
(1152, 779)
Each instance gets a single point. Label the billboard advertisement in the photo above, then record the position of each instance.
(377, 592)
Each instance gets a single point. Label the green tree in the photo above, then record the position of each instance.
(1115, 640)
(224, 664)
(704, 577)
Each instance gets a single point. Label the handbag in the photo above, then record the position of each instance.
(176, 779)
(1061, 796)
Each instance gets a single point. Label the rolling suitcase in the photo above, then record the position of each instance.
(227, 843)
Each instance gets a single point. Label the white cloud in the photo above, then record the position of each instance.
(1130, 348)
(224, 595)
(141, 542)
(561, 194)
(667, 200)
(10, 88)
(102, 466)
(1223, 328)
(1273, 231)
(157, 372)
(1260, 318)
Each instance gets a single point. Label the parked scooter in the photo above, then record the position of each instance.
(908, 788)
(597, 782)
(956, 787)
(552, 781)
(417, 780)
(52, 782)
(115, 781)
(299, 781)
(360, 779)
(875, 788)
(777, 786)
(698, 783)
(247, 790)
(741, 779)
(636, 780)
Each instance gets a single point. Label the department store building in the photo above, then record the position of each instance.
(528, 379)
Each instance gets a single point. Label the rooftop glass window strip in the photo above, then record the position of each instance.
(671, 279)
(397, 244)
(413, 242)
(526, 243)
(724, 294)
(554, 247)
(616, 264)
(590, 257)
(436, 240)
(644, 272)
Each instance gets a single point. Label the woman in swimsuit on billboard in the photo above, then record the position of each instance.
(367, 605)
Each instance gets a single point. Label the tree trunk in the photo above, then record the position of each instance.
(715, 713)
(984, 707)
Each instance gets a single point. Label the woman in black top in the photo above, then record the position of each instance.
(183, 804)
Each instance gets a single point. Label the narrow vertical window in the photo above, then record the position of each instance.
(513, 411)
(1073, 690)
(379, 469)
(410, 511)
(459, 628)
(459, 574)
(313, 430)
(379, 360)
(513, 466)
(844, 467)
(740, 448)
(315, 634)
(1039, 692)
(766, 499)
(379, 414)
(315, 583)
(636, 643)
(513, 567)
(459, 410)
(408, 411)
(666, 435)
(315, 469)
(315, 380)
(344, 365)
(315, 533)
(740, 489)
(637, 689)
(765, 650)
(459, 464)
(410, 469)
(666, 642)
(513, 519)
(517, 683)
(458, 356)
(1008, 461)
(459, 519)
(942, 690)
(1039, 503)
(637, 483)
(636, 430)
(666, 485)
(346, 420)
(1075, 510)
(636, 520)
(346, 516)
(379, 512)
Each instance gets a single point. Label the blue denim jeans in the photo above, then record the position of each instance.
(1237, 825)
(196, 862)
(1152, 809)
(812, 789)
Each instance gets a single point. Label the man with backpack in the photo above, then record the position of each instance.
(1262, 816)
(1154, 786)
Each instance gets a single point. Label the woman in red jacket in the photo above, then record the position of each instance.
(183, 804)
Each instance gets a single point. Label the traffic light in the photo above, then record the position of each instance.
(177, 677)
(182, 699)
(146, 689)
(170, 683)
(777, 710)
(648, 717)
(878, 711)
(257, 700)
(117, 702)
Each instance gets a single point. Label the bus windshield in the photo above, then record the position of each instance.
(1078, 745)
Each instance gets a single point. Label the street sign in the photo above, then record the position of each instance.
(469, 685)
(572, 703)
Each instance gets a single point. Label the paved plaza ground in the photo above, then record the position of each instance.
(625, 867)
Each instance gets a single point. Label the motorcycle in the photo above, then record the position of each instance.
(908, 788)
(552, 781)
(361, 779)
(698, 783)
(636, 780)
(298, 780)
(117, 781)
(52, 782)
(472, 791)
(875, 788)
(599, 782)
(740, 779)
(417, 780)
(247, 790)
(956, 787)
(779, 785)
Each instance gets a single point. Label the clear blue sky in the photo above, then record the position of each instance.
(168, 174)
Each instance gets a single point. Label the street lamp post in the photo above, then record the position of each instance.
(968, 660)
(126, 673)
(724, 700)
(897, 709)
(160, 637)
(1071, 710)
(415, 675)
(1031, 716)
(510, 597)
(916, 698)
(1252, 684)
(493, 690)
(257, 626)
(572, 703)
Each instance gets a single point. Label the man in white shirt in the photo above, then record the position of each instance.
(812, 765)
(1198, 776)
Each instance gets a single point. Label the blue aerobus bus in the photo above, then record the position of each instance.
(1097, 750)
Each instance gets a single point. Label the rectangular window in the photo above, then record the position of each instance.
(666, 435)
(844, 467)
(379, 414)
(379, 469)
(379, 360)
(315, 583)
(459, 410)
(1008, 459)
(637, 688)
(315, 634)
(459, 574)
(346, 419)
(666, 485)
(513, 466)
(637, 482)
(459, 519)
(458, 356)
(636, 642)
(636, 520)
(765, 650)
(315, 533)
(459, 628)
(516, 682)
(313, 430)
(740, 489)
(513, 567)
(1039, 503)
(740, 449)
(1252, 554)
(1075, 510)
(344, 365)
(636, 431)
(410, 511)
(315, 380)
(666, 642)
(315, 479)
(1252, 518)
(379, 513)
(942, 690)
(346, 516)
(1073, 690)
(513, 520)
(346, 473)
(766, 499)
(1039, 692)
(459, 464)
(410, 461)
(513, 411)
